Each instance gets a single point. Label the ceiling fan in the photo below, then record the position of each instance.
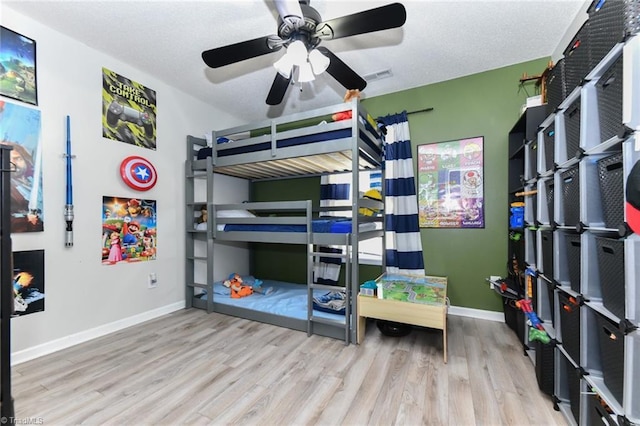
(300, 31)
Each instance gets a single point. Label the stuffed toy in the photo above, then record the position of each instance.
(203, 215)
(239, 289)
(346, 115)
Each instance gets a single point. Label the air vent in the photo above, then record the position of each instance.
(377, 75)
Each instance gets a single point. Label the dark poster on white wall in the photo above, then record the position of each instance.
(28, 282)
(128, 111)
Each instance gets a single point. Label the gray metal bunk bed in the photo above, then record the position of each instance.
(300, 144)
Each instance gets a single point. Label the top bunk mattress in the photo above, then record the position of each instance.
(332, 226)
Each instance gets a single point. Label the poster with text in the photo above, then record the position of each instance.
(20, 129)
(128, 230)
(28, 282)
(451, 184)
(128, 111)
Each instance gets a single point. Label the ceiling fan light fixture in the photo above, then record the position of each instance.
(284, 66)
(305, 73)
(297, 51)
(319, 62)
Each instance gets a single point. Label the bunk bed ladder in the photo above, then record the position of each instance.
(315, 254)
(195, 259)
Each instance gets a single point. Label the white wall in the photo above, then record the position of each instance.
(84, 298)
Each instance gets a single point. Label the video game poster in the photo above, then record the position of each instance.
(451, 184)
(18, 67)
(28, 282)
(128, 111)
(129, 231)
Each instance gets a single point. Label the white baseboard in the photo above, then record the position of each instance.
(476, 313)
(84, 336)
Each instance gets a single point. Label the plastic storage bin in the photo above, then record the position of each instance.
(549, 186)
(572, 380)
(576, 58)
(611, 341)
(549, 135)
(572, 242)
(606, 27)
(572, 128)
(611, 180)
(571, 196)
(609, 94)
(545, 366)
(547, 254)
(598, 413)
(570, 325)
(611, 271)
(556, 87)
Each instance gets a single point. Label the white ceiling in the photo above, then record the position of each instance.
(440, 40)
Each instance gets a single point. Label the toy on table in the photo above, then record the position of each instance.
(239, 288)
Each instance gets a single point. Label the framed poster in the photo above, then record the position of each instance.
(18, 67)
(20, 129)
(28, 282)
(128, 111)
(451, 184)
(128, 230)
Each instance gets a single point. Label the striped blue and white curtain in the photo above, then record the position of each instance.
(403, 243)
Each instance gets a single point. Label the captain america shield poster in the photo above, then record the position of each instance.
(138, 173)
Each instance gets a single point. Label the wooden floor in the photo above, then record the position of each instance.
(191, 367)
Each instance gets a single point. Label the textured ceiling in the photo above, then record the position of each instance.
(440, 40)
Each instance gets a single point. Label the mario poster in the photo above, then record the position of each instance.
(128, 230)
(128, 111)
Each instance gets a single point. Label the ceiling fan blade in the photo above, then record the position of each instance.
(225, 55)
(278, 89)
(381, 18)
(341, 71)
(289, 9)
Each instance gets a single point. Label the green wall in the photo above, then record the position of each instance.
(485, 104)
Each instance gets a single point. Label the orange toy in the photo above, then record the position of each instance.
(238, 290)
(345, 115)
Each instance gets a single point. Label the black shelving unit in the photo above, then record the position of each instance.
(6, 287)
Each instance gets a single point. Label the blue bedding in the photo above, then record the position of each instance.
(286, 299)
(335, 226)
(284, 143)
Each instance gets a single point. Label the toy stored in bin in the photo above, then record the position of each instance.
(517, 215)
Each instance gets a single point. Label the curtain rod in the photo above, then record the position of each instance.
(420, 110)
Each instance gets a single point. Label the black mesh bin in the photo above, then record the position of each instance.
(573, 259)
(549, 187)
(612, 355)
(573, 386)
(570, 325)
(606, 27)
(611, 267)
(549, 134)
(513, 317)
(609, 89)
(550, 296)
(545, 366)
(547, 254)
(533, 159)
(571, 196)
(611, 179)
(556, 87)
(598, 413)
(572, 128)
(576, 58)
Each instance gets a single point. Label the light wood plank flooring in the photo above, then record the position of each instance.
(191, 367)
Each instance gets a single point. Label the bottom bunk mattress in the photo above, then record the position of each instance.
(285, 299)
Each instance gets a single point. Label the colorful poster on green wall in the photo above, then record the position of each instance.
(451, 184)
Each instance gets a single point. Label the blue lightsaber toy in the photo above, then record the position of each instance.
(68, 208)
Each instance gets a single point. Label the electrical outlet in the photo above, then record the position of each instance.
(153, 280)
